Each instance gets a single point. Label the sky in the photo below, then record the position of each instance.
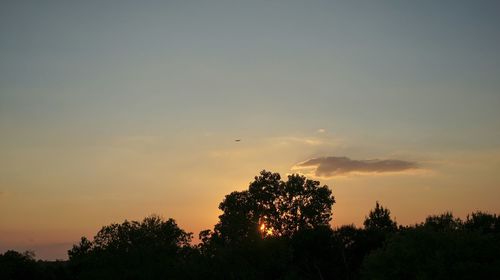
(114, 110)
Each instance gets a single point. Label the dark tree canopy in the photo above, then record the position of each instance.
(274, 207)
(278, 229)
(483, 222)
(15, 265)
(131, 250)
(151, 234)
(426, 253)
(443, 222)
(379, 219)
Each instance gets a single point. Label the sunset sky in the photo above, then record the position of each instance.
(113, 110)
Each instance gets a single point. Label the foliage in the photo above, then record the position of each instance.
(379, 219)
(274, 207)
(443, 222)
(131, 250)
(441, 248)
(482, 222)
(15, 265)
(279, 230)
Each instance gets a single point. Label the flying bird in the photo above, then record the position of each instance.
(237, 140)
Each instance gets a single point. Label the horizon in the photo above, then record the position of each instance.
(118, 110)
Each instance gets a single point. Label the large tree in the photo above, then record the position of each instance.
(273, 207)
(149, 249)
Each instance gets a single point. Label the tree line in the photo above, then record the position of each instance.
(279, 229)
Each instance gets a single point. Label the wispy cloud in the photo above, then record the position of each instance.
(334, 166)
(307, 141)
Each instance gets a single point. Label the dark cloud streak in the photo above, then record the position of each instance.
(332, 166)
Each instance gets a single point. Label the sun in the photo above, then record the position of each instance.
(265, 231)
(262, 227)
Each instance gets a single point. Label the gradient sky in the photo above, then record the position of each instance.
(113, 110)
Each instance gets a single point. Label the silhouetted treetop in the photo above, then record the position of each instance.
(443, 222)
(483, 222)
(379, 219)
(131, 250)
(274, 207)
(15, 265)
(303, 246)
(151, 233)
(278, 229)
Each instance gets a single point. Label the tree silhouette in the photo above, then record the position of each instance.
(443, 222)
(379, 219)
(428, 252)
(279, 230)
(483, 222)
(15, 265)
(272, 207)
(131, 250)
